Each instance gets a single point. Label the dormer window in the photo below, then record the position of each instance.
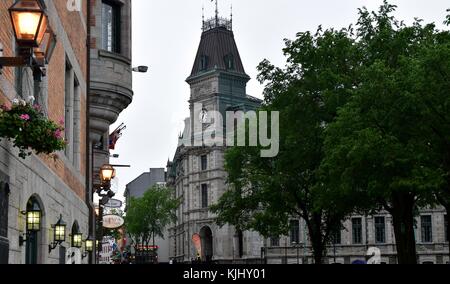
(229, 62)
(204, 63)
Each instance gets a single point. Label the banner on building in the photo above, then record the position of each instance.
(196, 239)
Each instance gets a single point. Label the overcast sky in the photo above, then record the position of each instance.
(166, 34)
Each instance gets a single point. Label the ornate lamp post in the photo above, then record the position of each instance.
(34, 38)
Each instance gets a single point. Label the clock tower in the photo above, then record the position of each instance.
(218, 84)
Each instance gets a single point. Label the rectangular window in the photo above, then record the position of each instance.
(76, 133)
(357, 230)
(275, 242)
(427, 229)
(72, 116)
(295, 232)
(204, 162)
(69, 109)
(446, 227)
(380, 230)
(204, 196)
(111, 26)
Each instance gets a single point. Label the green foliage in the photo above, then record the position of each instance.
(364, 126)
(447, 18)
(319, 77)
(381, 140)
(388, 147)
(28, 128)
(148, 216)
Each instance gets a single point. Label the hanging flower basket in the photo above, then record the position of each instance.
(26, 126)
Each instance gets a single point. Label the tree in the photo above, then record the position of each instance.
(264, 194)
(382, 152)
(147, 217)
(434, 73)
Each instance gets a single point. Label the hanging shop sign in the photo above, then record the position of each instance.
(113, 222)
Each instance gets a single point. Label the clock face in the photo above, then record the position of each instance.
(204, 116)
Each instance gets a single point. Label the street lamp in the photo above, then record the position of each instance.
(29, 22)
(77, 240)
(33, 222)
(107, 173)
(59, 234)
(44, 52)
(88, 246)
(35, 39)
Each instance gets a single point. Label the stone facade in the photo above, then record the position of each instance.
(58, 184)
(220, 85)
(110, 89)
(197, 176)
(110, 74)
(347, 250)
(136, 189)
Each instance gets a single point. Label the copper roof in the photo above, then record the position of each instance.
(217, 44)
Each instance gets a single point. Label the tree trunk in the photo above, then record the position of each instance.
(317, 239)
(403, 217)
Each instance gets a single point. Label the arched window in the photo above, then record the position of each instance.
(4, 204)
(32, 242)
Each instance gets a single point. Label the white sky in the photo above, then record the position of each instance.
(166, 34)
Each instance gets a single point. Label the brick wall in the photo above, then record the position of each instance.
(70, 28)
(6, 39)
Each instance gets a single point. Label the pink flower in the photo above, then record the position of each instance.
(58, 134)
(25, 117)
(62, 122)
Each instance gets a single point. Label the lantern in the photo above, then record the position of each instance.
(29, 22)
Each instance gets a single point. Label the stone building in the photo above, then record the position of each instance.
(111, 73)
(54, 185)
(362, 233)
(137, 188)
(110, 89)
(88, 83)
(218, 84)
(143, 183)
(197, 175)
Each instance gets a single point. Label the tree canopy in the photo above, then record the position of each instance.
(148, 216)
(364, 118)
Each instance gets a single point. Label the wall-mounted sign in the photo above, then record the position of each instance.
(114, 203)
(112, 222)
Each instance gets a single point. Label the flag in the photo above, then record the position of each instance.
(115, 136)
